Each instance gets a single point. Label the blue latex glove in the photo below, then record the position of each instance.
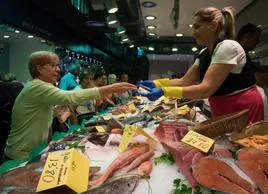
(154, 94)
(148, 83)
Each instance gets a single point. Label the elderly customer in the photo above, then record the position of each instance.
(33, 109)
(68, 81)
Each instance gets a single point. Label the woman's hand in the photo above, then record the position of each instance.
(116, 88)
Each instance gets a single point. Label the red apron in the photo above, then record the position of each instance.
(249, 99)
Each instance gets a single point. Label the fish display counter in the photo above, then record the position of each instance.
(148, 147)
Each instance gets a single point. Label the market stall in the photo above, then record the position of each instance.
(166, 146)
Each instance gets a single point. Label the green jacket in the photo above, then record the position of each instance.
(33, 113)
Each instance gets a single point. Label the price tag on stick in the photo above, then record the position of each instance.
(198, 141)
(129, 132)
(69, 168)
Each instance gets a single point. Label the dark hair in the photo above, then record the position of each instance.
(85, 73)
(99, 74)
(248, 29)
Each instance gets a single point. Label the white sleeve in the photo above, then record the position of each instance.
(197, 61)
(229, 52)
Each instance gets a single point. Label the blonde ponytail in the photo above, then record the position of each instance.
(229, 22)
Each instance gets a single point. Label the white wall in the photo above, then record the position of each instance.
(19, 54)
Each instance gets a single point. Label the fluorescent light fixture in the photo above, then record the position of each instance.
(113, 10)
(6, 36)
(190, 25)
(151, 48)
(151, 27)
(111, 19)
(122, 32)
(112, 22)
(150, 17)
(148, 4)
(124, 38)
(174, 49)
(30, 36)
(194, 49)
(17, 31)
(179, 34)
(152, 34)
(43, 41)
(131, 46)
(259, 26)
(111, 6)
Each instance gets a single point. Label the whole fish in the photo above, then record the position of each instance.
(123, 185)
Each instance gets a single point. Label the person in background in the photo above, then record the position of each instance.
(100, 78)
(218, 73)
(33, 109)
(125, 95)
(112, 78)
(249, 37)
(68, 81)
(10, 89)
(124, 77)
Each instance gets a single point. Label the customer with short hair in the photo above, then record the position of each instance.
(33, 109)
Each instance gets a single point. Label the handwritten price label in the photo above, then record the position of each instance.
(106, 117)
(132, 107)
(129, 132)
(69, 168)
(198, 141)
(100, 129)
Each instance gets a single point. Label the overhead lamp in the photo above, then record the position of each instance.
(111, 19)
(131, 46)
(120, 30)
(190, 25)
(17, 31)
(124, 38)
(111, 6)
(194, 49)
(152, 34)
(148, 4)
(151, 27)
(174, 49)
(179, 34)
(43, 41)
(6, 36)
(30, 36)
(150, 17)
(151, 48)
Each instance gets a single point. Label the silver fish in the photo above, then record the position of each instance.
(125, 184)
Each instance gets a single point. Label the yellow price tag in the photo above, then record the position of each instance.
(158, 118)
(146, 108)
(157, 103)
(69, 168)
(122, 115)
(184, 110)
(142, 132)
(176, 105)
(198, 141)
(132, 106)
(106, 117)
(100, 129)
(129, 132)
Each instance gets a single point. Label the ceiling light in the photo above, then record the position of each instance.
(17, 31)
(190, 25)
(151, 27)
(152, 34)
(174, 49)
(194, 49)
(148, 4)
(179, 34)
(150, 17)
(113, 10)
(111, 19)
(111, 6)
(124, 38)
(259, 26)
(6, 36)
(122, 32)
(151, 48)
(43, 41)
(30, 36)
(131, 46)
